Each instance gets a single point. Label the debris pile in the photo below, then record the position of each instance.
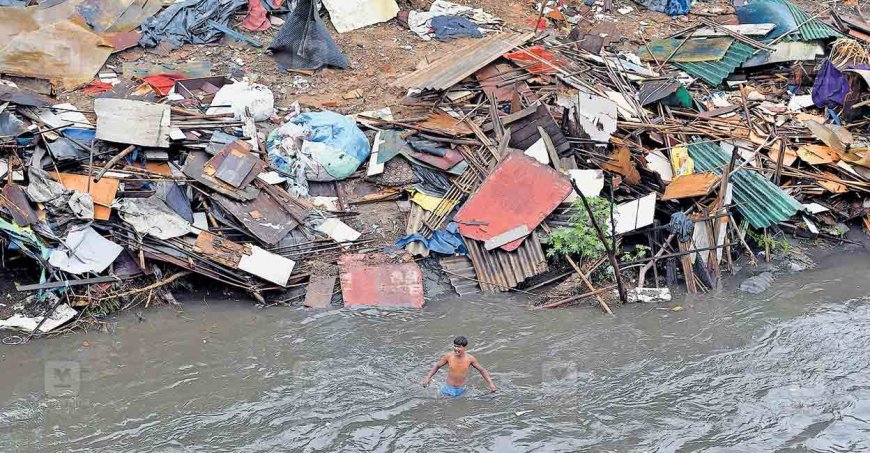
(519, 159)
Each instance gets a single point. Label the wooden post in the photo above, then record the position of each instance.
(589, 285)
(686, 261)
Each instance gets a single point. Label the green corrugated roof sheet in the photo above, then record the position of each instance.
(714, 72)
(760, 201)
(812, 30)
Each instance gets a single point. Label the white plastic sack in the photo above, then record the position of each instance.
(240, 95)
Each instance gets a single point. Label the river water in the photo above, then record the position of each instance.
(786, 370)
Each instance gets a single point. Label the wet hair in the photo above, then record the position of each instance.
(460, 341)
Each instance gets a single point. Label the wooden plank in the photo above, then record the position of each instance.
(319, 291)
(688, 186)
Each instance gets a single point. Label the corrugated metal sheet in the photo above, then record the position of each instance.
(714, 72)
(812, 29)
(760, 201)
(497, 270)
(451, 68)
(520, 191)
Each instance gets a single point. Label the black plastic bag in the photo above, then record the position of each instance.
(304, 43)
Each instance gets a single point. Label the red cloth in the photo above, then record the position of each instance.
(96, 87)
(256, 20)
(162, 83)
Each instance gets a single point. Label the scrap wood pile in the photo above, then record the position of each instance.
(754, 120)
(521, 159)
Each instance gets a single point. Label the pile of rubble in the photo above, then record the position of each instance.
(498, 151)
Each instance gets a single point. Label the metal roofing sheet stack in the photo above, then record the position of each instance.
(760, 201)
(810, 29)
(497, 270)
(451, 68)
(714, 72)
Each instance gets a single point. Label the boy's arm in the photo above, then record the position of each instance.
(484, 373)
(434, 370)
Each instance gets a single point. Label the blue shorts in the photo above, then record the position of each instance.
(451, 391)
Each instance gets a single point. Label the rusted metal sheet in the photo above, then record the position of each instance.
(452, 67)
(44, 43)
(520, 191)
(524, 128)
(498, 271)
(194, 167)
(15, 201)
(319, 291)
(117, 15)
(103, 192)
(497, 79)
(263, 217)
(688, 186)
(235, 165)
(377, 279)
(218, 249)
(122, 40)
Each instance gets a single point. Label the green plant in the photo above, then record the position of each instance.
(640, 251)
(580, 238)
(768, 242)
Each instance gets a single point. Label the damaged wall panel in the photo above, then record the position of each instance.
(376, 279)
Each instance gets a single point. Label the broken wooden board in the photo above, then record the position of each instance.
(132, 122)
(620, 162)
(318, 294)
(218, 249)
(689, 186)
(817, 154)
(439, 121)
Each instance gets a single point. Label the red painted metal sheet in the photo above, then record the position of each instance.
(520, 191)
(376, 279)
(534, 64)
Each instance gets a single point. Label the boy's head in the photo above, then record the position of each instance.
(459, 344)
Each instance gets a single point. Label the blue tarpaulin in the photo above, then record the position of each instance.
(446, 241)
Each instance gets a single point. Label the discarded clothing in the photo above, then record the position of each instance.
(446, 241)
(452, 27)
(682, 226)
(187, 22)
(304, 43)
(831, 85)
(669, 7)
(451, 391)
(257, 19)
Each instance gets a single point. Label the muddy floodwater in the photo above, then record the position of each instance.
(783, 371)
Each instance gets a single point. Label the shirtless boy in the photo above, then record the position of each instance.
(458, 363)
